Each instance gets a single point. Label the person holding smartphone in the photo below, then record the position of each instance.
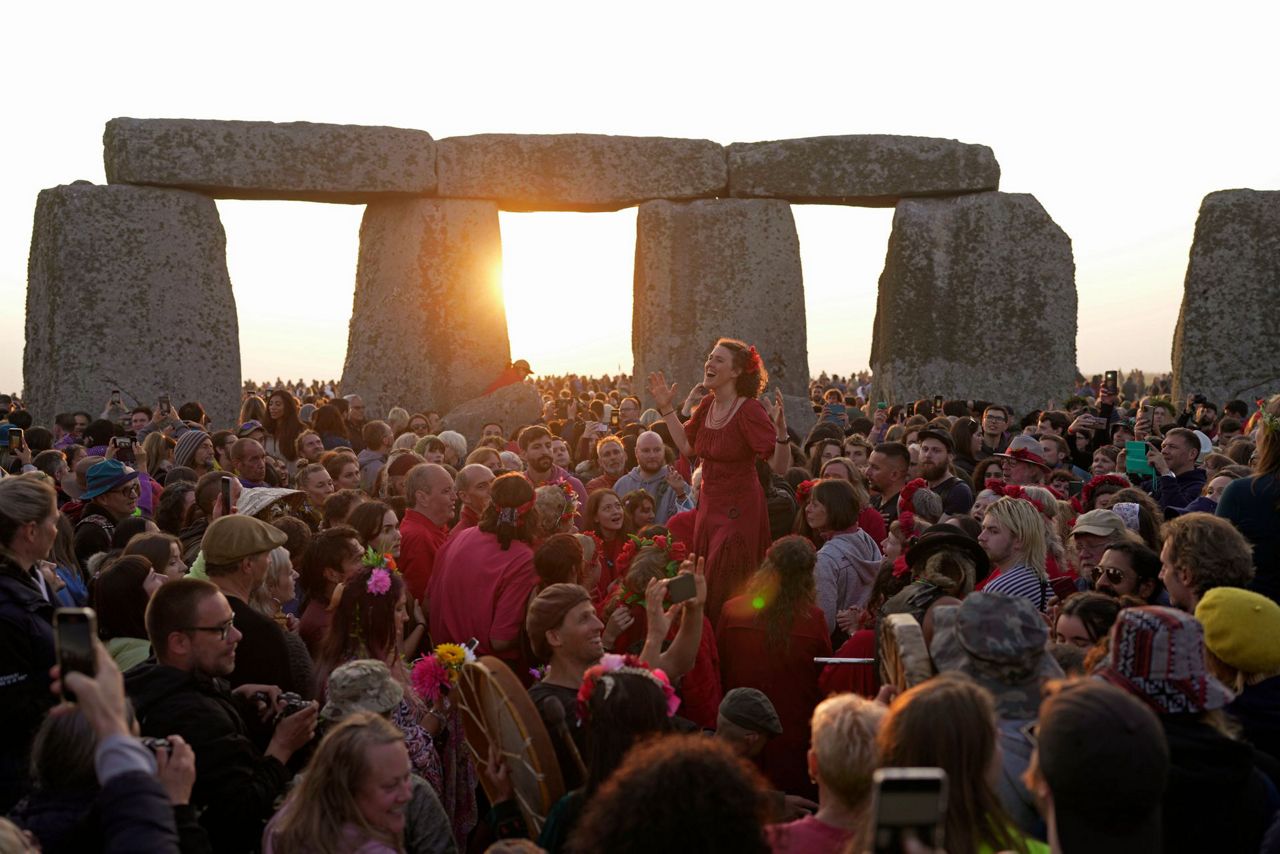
(28, 527)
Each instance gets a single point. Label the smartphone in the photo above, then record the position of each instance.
(834, 412)
(226, 496)
(908, 799)
(683, 586)
(17, 441)
(614, 419)
(164, 404)
(115, 396)
(124, 448)
(73, 632)
(882, 405)
(937, 405)
(1135, 458)
(1111, 382)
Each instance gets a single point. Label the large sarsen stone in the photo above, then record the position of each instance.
(127, 288)
(1227, 342)
(977, 300)
(578, 171)
(428, 326)
(269, 160)
(874, 170)
(718, 268)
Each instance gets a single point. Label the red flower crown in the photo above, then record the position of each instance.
(676, 553)
(1081, 501)
(753, 361)
(1013, 490)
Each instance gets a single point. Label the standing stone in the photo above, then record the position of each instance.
(1225, 343)
(868, 170)
(428, 328)
(511, 406)
(578, 171)
(127, 288)
(977, 300)
(268, 160)
(718, 268)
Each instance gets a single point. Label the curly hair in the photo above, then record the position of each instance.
(698, 796)
(748, 384)
(785, 584)
(1211, 549)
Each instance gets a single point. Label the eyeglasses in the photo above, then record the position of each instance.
(222, 629)
(994, 418)
(129, 491)
(1114, 574)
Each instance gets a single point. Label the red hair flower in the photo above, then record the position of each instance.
(907, 495)
(803, 490)
(753, 361)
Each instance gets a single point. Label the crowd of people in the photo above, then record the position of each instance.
(737, 634)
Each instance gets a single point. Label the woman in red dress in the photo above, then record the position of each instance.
(729, 430)
(768, 640)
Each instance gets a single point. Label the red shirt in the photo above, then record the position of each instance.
(468, 518)
(480, 591)
(806, 836)
(420, 542)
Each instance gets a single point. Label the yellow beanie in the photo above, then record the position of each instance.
(1241, 628)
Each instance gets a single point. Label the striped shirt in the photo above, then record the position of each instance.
(1020, 581)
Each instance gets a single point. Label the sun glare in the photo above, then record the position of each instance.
(567, 281)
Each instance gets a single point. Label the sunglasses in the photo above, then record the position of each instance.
(129, 491)
(1114, 575)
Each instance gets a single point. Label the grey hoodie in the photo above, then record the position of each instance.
(846, 568)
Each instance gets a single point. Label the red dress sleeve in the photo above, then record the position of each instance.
(757, 428)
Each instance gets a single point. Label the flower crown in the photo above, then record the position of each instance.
(611, 666)
(1270, 421)
(570, 501)
(383, 566)
(1013, 490)
(434, 675)
(1081, 501)
(907, 509)
(804, 490)
(675, 551)
(753, 361)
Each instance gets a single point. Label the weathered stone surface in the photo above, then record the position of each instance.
(800, 414)
(718, 268)
(127, 288)
(578, 171)
(870, 170)
(512, 406)
(269, 160)
(977, 300)
(1225, 343)
(428, 327)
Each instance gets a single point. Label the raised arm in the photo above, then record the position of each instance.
(663, 395)
(781, 460)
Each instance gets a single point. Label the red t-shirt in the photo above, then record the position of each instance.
(806, 836)
(479, 591)
(468, 518)
(420, 542)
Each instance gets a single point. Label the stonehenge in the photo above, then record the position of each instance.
(716, 254)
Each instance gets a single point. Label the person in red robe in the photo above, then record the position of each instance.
(729, 430)
(768, 639)
(510, 376)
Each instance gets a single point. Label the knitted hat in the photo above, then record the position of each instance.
(1157, 654)
(1241, 628)
(547, 611)
(401, 463)
(188, 442)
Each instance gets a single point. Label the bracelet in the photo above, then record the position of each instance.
(785, 440)
(670, 411)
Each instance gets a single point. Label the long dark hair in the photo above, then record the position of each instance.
(119, 598)
(328, 421)
(286, 430)
(962, 432)
(785, 584)
(510, 492)
(367, 520)
(623, 709)
(748, 384)
(589, 513)
(363, 625)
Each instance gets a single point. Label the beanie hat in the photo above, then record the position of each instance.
(401, 463)
(547, 611)
(186, 448)
(1241, 627)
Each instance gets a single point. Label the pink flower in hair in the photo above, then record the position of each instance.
(379, 582)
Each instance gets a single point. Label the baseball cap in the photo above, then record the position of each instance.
(1102, 523)
(232, 538)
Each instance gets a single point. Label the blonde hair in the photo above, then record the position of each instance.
(1052, 537)
(278, 564)
(24, 498)
(844, 743)
(398, 420)
(404, 442)
(550, 504)
(1027, 526)
(157, 448)
(318, 811)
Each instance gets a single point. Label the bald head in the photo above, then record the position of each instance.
(472, 486)
(651, 453)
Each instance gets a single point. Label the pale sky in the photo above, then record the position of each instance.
(1118, 118)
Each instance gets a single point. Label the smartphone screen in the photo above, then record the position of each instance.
(226, 495)
(73, 633)
(16, 439)
(124, 449)
(682, 587)
(1111, 381)
(909, 799)
(164, 403)
(1135, 458)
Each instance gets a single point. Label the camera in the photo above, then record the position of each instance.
(293, 703)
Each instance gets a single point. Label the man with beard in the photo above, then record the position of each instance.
(1093, 534)
(1129, 569)
(937, 453)
(540, 465)
(612, 455)
(310, 446)
(671, 494)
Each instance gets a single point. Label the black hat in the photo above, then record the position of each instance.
(941, 435)
(937, 538)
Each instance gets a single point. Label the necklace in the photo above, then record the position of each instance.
(715, 421)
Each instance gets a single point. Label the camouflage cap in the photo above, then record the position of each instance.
(999, 641)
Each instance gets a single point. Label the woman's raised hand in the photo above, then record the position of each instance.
(779, 411)
(661, 393)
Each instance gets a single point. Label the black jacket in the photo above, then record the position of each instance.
(26, 654)
(1216, 799)
(236, 785)
(262, 657)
